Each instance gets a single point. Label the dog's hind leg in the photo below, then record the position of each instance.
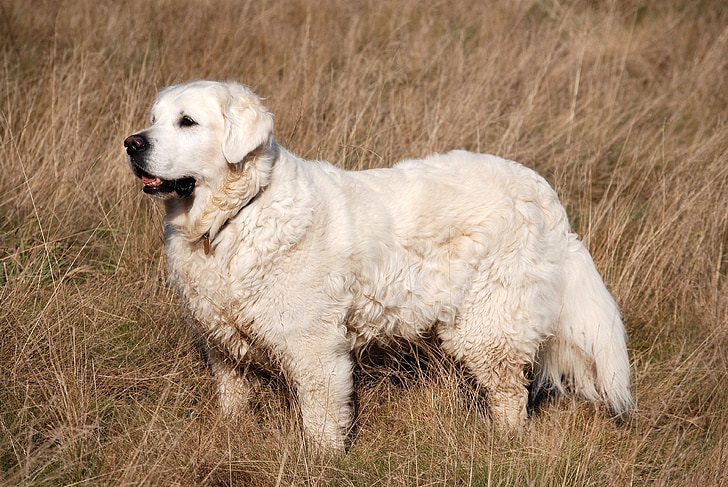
(498, 367)
(497, 338)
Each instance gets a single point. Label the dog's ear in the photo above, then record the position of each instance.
(247, 123)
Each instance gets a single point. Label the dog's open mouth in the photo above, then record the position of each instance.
(165, 188)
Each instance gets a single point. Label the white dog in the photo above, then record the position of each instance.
(308, 263)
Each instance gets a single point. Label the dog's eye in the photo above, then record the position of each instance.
(186, 121)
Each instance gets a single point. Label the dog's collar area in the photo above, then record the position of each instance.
(206, 238)
(206, 243)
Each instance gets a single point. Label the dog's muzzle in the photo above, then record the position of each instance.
(136, 147)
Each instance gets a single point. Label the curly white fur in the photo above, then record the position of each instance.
(309, 263)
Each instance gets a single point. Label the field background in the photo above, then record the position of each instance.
(621, 105)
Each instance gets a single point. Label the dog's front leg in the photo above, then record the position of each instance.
(233, 386)
(321, 373)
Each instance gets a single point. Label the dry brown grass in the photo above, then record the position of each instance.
(622, 106)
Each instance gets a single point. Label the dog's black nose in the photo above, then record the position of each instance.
(135, 144)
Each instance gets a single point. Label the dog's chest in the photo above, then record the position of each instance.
(216, 287)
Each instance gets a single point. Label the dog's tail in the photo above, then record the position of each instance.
(588, 352)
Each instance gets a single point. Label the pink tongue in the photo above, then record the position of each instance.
(154, 182)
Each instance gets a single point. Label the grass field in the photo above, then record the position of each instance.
(622, 106)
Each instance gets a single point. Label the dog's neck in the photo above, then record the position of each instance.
(207, 238)
(203, 216)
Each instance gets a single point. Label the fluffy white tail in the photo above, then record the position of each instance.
(588, 352)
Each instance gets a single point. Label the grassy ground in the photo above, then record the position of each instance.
(623, 106)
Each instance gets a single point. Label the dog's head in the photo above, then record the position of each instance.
(200, 133)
